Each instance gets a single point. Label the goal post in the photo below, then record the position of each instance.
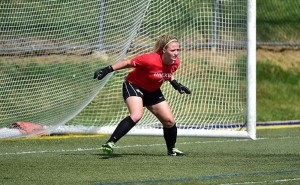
(49, 51)
(251, 69)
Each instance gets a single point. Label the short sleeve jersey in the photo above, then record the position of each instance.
(149, 72)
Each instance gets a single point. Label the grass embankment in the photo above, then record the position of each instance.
(278, 89)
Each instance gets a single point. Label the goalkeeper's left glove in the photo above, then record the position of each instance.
(179, 87)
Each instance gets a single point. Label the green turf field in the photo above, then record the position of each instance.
(274, 158)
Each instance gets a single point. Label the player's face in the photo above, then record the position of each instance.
(171, 52)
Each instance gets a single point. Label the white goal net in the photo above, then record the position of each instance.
(49, 51)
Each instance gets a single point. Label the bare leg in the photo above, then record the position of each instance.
(135, 107)
(163, 112)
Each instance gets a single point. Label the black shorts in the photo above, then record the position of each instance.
(149, 98)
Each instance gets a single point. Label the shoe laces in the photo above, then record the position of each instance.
(111, 144)
(176, 150)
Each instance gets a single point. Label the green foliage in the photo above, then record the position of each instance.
(278, 20)
(55, 19)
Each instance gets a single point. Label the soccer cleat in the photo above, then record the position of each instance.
(175, 152)
(108, 147)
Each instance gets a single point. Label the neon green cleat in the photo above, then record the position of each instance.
(108, 147)
(175, 152)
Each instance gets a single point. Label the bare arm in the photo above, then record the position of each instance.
(101, 73)
(172, 78)
(121, 65)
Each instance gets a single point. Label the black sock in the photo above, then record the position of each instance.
(170, 135)
(123, 127)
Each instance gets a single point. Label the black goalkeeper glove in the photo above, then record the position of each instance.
(179, 87)
(101, 73)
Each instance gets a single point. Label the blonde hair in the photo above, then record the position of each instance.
(163, 42)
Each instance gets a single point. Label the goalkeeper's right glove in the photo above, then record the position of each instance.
(101, 73)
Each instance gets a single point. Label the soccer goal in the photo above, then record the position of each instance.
(49, 51)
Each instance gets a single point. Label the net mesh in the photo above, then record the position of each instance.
(50, 49)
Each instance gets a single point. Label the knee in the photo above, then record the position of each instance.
(136, 117)
(168, 123)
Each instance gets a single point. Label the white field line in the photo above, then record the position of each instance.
(263, 182)
(128, 146)
(133, 146)
(49, 151)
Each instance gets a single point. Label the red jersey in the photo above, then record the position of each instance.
(149, 72)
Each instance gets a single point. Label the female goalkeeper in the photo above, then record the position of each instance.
(141, 88)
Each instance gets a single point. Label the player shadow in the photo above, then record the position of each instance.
(102, 156)
(108, 156)
(111, 156)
